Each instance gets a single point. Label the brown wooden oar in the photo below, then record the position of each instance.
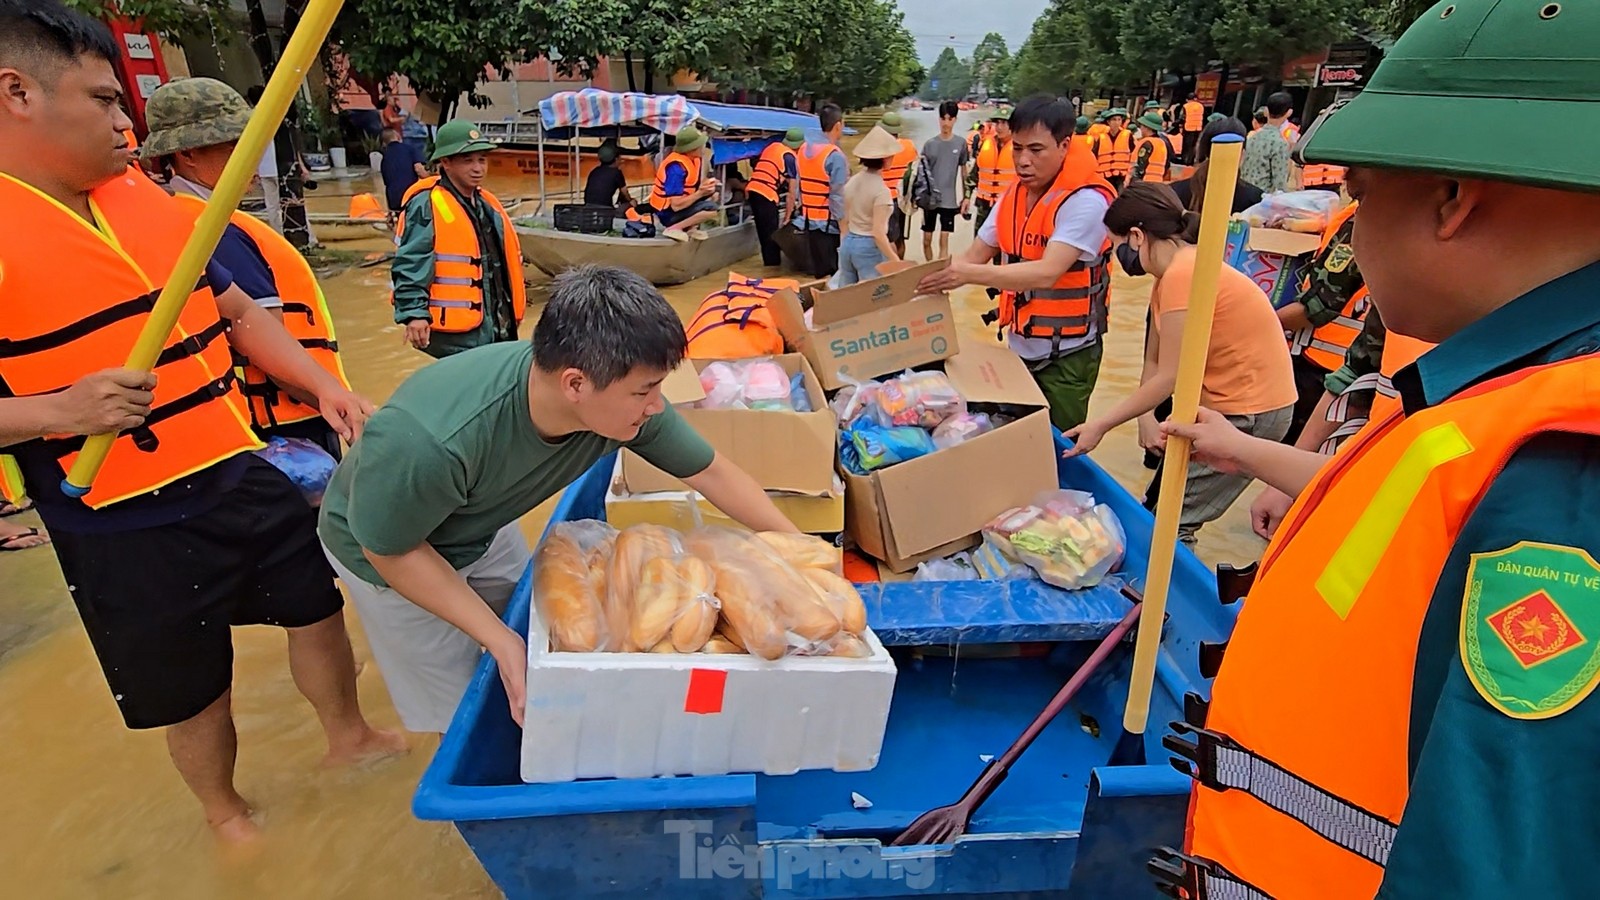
(945, 824)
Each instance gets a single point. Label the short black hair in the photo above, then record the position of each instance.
(1042, 109)
(1225, 125)
(606, 321)
(949, 109)
(829, 115)
(873, 163)
(34, 31)
(1279, 104)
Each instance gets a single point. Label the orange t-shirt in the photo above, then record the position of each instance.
(1248, 369)
(1194, 116)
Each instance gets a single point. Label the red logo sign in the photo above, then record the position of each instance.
(1535, 629)
(1339, 76)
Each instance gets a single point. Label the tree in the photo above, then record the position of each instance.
(999, 82)
(1393, 17)
(169, 18)
(1267, 33)
(989, 57)
(1166, 34)
(950, 78)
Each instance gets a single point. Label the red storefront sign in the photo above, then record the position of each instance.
(139, 65)
(1206, 87)
(1340, 76)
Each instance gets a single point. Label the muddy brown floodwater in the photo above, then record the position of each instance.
(89, 809)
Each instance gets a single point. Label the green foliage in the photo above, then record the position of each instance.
(1393, 17)
(953, 76)
(990, 57)
(169, 18)
(1268, 32)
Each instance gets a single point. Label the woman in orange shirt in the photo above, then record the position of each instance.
(1248, 377)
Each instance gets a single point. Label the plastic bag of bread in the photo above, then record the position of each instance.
(764, 599)
(675, 605)
(842, 598)
(843, 644)
(566, 589)
(804, 551)
(636, 547)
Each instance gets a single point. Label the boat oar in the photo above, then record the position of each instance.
(945, 824)
(1223, 172)
(298, 56)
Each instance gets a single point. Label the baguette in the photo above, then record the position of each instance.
(568, 606)
(842, 598)
(799, 605)
(720, 644)
(803, 551)
(659, 599)
(699, 617)
(634, 547)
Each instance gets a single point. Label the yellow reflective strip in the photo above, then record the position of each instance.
(11, 482)
(441, 208)
(1345, 576)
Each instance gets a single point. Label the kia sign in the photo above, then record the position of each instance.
(1340, 76)
(138, 46)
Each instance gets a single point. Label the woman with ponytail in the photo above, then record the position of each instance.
(1248, 377)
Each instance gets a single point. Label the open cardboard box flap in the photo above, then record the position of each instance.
(990, 373)
(897, 285)
(1283, 243)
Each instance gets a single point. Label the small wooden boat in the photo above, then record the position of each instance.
(661, 260)
(332, 228)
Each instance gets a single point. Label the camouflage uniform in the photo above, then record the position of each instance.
(1332, 278)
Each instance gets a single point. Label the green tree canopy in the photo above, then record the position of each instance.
(990, 57)
(949, 79)
(1266, 33)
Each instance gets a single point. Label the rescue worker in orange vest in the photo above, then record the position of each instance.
(895, 172)
(823, 171)
(457, 268)
(1322, 177)
(1054, 288)
(1325, 315)
(1099, 127)
(185, 532)
(1114, 149)
(1152, 153)
(1193, 118)
(1080, 134)
(773, 192)
(684, 193)
(1405, 708)
(994, 169)
(194, 124)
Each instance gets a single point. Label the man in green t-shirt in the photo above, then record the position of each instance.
(420, 520)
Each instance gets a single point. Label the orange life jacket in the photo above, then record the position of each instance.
(768, 177)
(305, 317)
(1079, 298)
(1289, 132)
(455, 299)
(76, 298)
(735, 323)
(1327, 344)
(894, 168)
(1159, 166)
(815, 185)
(1399, 351)
(997, 169)
(1303, 772)
(1320, 174)
(1194, 115)
(1114, 152)
(692, 165)
(1098, 129)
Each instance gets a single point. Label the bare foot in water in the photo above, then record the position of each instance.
(237, 830)
(376, 744)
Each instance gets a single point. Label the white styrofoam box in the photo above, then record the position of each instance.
(628, 715)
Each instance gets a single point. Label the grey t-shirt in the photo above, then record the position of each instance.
(944, 160)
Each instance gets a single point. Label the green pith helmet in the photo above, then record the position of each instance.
(1116, 111)
(891, 123)
(1001, 115)
(688, 139)
(1215, 117)
(1151, 120)
(191, 113)
(456, 137)
(1083, 125)
(793, 138)
(1515, 67)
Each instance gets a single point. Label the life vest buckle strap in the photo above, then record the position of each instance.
(1184, 877)
(1233, 583)
(194, 344)
(1211, 653)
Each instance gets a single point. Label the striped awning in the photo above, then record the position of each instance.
(591, 108)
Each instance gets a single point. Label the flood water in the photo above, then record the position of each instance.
(89, 809)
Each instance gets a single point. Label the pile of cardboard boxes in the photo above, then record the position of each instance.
(924, 508)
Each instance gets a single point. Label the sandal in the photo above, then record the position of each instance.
(9, 544)
(7, 508)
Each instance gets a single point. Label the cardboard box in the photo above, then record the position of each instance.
(639, 715)
(872, 328)
(935, 505)
(782, 451)
(680, 509)
(1273, 258)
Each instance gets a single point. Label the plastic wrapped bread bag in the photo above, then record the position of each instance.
(960, 428)
(764, 599)
(674, 605)
(635, 548)
(1304, 211)
(307, 466)
(1066, 537)
(804, 551)
(746, 384)
(566, 588)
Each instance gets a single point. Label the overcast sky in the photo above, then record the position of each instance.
(961, 24)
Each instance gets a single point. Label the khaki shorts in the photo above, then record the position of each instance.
(427, 662)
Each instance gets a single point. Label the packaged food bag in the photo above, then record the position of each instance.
(675, 605)
(746, 384)
(961, 427)
(922, 399)
(636, 547)
(307, 466)
(867, 446)
(569, 576)
(767, 606)
(1066, 537)
(1303, 211)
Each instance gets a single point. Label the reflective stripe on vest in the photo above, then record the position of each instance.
(305, 317)
(1316, 683)
(996, 169)
(894, 169)
(1115, 153)
(66, 321)
(1159, 166)
(815, 185)
(1065, 311)
(767, 177)
(455, 298)
(691, 179)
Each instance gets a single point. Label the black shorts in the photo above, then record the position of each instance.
(947, 219)
(158, 603)
(897, 225)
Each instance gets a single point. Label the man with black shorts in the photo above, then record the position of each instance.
(185, 532)
(946, 157)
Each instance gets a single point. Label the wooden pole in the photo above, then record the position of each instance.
(1225, 153)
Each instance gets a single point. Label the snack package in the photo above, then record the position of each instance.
(851, 400)
(306, 465)
(746, 384)
(961, 427)
(764, 599)
(637, 547)
(797, 393)
(923, 399)
(956, 568)
(1303, 211)
(1066, 537)
(867, 446)
(567, 588)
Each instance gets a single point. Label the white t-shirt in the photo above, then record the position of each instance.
(1080, 223)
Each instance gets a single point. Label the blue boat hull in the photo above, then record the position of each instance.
(1075, 819)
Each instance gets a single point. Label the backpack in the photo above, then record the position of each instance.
(922, 195)
(734, 323)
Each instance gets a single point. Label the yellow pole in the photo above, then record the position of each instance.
(298, 56)
(1224, 171)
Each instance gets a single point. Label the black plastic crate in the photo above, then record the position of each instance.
(582, 218)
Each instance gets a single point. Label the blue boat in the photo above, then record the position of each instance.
(1078, 817)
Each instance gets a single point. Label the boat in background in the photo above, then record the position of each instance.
(660, 260)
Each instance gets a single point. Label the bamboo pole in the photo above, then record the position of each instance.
(297, 58)
(1224, 172)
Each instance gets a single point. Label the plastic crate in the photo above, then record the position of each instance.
(583, 219)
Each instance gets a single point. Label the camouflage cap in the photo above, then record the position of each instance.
(192, 113)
